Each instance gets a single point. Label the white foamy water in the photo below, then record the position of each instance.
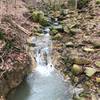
(43, 53)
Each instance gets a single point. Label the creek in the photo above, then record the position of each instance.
(45, 82)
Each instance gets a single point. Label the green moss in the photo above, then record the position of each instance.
(54, 31)
(37, 16)
(97, 1)
(57, 37)
(2, 35)
(44, 21)
(82, 3)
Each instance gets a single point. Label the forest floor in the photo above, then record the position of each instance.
(76, 49)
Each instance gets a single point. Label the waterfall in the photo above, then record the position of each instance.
(43, 52)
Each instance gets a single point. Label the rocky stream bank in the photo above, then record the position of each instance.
(76, 48)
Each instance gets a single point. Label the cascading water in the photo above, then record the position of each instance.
(45, 83)
(43, 52)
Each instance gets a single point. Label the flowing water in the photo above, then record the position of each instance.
(45, 83)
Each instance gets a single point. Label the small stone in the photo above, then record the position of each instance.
(37, 34)
(97, 63)
(2, 44)
(96, 43)
(88, 50)
(69, 44)
(64, 12)
(81, 60)
(57, 27)
(56, 13)
(30, 40)
(98, 79)
(76, 80)
(90, 71)
(76, 30)
(66, 29)
(76, 69)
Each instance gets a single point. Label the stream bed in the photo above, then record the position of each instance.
(45, 82)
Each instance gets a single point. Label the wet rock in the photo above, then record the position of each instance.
(57, 27)
(69, 44)
(90, 71)
(97, 63)
(44, 21)
(30, 40)
(81, 60)
(54, 31)
(76, 69)
(78, 98)
(31, 44)
(37, 34)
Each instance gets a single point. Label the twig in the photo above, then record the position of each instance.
(2, 61)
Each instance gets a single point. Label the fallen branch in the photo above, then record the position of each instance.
(17, 26)
(20, 27)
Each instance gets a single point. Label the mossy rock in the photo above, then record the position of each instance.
(97, 1)
(57, 37)
(90, 71)
(81, 61)
(96, 43)
(37, 16)
(54, 31)
(44, 21)
(66, 29)
(76, 69)
(98, 79)
(97, 63)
